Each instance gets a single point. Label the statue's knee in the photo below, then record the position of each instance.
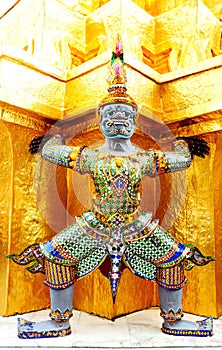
(172, 278)
(58, 276)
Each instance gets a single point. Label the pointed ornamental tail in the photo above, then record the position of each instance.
(114, 278)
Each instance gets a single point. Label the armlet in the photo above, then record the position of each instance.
(74, 157)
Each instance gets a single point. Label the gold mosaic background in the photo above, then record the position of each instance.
(53, 69)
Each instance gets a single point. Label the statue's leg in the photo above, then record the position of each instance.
(61, 301)
(170, 293)
(69, 255)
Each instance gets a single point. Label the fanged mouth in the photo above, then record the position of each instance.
(116, 131)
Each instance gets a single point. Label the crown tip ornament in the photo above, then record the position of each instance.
(117, 79)
(117, 74)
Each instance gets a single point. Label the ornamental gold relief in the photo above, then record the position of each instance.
(56, 63)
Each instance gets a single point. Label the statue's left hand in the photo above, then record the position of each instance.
(197, 147)
(37, 144)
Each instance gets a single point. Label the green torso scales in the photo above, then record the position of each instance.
(116, 184)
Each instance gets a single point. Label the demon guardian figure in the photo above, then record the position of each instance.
(115, 227)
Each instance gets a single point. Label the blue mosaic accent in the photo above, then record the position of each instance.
(51, 250)
(179, 252)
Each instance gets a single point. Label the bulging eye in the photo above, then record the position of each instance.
(127, 124)
(111, 113)
(108, 123)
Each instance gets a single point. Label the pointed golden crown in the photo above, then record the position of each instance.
(117, 80)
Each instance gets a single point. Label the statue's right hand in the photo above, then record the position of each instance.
(37, 144)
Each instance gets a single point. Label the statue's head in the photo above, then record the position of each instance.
(117, 120)
(117, 110)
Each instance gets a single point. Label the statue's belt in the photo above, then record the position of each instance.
(142, 227)
(117, 219)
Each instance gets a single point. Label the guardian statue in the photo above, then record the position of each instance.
(115, 227)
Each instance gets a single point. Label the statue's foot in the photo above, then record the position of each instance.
(44, 329)
(202, 328)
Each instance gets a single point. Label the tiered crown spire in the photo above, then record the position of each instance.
(117, 79)
(117, 74)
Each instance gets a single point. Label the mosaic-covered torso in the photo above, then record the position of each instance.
(115, 185)
(116, 181)
(116, 194)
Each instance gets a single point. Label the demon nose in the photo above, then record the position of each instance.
(118, 114)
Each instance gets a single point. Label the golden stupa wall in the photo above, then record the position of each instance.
(53, 70)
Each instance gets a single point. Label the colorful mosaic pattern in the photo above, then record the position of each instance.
(58, 276)
(72, 247)
(31, 254)
(49, 151)
(143, 256)
(58, 316)
(171, 278)
(143, 245)
(171, 315)
(117, 180)
(156, 246)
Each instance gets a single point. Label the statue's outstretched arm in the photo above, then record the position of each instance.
(184, 148)
(197, 147)
(178, 159)
(54, 150)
